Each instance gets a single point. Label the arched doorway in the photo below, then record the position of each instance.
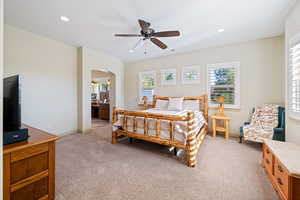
(103, 95)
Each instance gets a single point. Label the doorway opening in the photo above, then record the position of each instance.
(102, 97)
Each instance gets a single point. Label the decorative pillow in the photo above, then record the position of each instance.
(175, 103)
(161, 104)
(191, 105)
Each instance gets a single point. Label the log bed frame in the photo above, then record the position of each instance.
(193, 141)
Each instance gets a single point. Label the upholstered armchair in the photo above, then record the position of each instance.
(279, 132)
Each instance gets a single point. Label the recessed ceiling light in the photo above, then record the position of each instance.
(64, 18)
(221, 30)
(131, 51)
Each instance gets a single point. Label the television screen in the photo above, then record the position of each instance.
(11, 104)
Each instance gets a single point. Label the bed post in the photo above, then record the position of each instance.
(154, 101)
(145, 102)
(114, 137)
(206, 107)
(114, 119)
(114, 114)
(191, 141)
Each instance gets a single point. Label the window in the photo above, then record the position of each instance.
(147, 84)
(223, 80)
(294, 78)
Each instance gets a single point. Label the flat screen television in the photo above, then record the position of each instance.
(11, 104)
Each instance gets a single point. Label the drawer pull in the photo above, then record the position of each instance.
(267, 160)
(280, 168)
(279, 181)
(267, 150)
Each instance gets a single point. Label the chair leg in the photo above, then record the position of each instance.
(241, 139)
(130, 140)
(175, 151)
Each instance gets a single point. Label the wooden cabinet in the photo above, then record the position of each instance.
(29, 168)
(268, 160)
(104, 111)
(101, 111)
(284, 177)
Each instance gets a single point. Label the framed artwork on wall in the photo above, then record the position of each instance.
(168, 76)
(190, 75)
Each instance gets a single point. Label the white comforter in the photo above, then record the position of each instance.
(180, 127)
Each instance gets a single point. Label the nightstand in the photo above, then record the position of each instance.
(225, 128)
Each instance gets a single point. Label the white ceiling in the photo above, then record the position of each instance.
(93, 22)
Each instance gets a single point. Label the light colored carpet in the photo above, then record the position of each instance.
(89, 167)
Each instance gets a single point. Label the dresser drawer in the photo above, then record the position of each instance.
(33, 191)
(281, 177)
(268, 160)
(28, 167)
(29, 152)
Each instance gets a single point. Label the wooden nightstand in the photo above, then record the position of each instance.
(224, 128)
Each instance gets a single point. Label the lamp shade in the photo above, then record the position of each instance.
(220, 99)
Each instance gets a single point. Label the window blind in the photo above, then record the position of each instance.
(294, 68)
(147, 84)
(221, 81)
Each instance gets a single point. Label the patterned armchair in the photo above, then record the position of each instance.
(279, 132)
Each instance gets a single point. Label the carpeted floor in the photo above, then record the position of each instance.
(89, 167)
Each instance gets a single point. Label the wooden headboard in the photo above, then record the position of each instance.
(203, 102)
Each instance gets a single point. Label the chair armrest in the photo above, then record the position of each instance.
(246, 123)
(278, 130)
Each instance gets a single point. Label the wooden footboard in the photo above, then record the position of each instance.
(191, 145)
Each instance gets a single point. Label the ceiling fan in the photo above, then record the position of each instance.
(149, 33)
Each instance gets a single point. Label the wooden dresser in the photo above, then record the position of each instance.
(104, 111)
(282, 164)
(29, 167)
(101, 111)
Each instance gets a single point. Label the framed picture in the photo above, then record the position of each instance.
(190, 75)
(168, 77)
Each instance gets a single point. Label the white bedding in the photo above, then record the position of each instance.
(180, 127)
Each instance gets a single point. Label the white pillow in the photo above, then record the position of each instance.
(161, 104)
(175, 104)
(191, 105)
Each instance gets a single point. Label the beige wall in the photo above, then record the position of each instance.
(49, 79)
(1, 97)
(95, 60)
(260, 74)
(56, 79)
(292, 27)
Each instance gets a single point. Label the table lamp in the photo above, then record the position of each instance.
(221, 101)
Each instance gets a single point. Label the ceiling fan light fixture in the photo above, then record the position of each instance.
(64, 19)
(148, 33)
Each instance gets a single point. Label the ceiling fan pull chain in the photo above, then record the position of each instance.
(145, 52)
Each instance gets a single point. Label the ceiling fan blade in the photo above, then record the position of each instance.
(167, 34)
(158, 43)
(144, 25)
(128, 35)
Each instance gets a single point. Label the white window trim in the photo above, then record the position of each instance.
(237, 95)
(140, 99)
(293, 41)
